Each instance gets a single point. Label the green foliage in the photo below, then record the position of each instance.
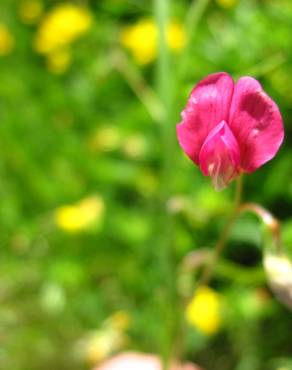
(92, 129)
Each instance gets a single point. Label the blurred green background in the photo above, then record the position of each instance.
(98, 203)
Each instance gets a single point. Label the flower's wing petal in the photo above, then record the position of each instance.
(256, 123)
(208, 105)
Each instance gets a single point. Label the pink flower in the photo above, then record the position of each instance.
(228, 128)
(139, 361)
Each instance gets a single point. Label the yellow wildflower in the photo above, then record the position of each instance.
(105, 139)
(175, 36)
(226, 3)
(120, 320)
(203, 311)
(30, 11)
(134, 146)
(58, 61)
(64, 24)
(109, 338)
(80, 216)
(141, 39)
(147, 183)
(6, 40)
(102, 343)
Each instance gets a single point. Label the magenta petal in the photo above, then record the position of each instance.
(208, 105)
(220, 156)
(256, 123)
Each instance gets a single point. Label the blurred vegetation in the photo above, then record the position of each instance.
(83, 166)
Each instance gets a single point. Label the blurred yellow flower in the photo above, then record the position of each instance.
(6, 40)
(80, 216)
(102, 343)
(134, 146)
(147, 183)
(58, 61)
(30, 11)
(120, 320)
(203, 312)
(111, 337)
(141, 39)
(105, 139)
(226, 3)
(281, 80)
(64, 24)
(175, 36)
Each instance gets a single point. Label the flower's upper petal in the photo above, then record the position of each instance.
(220, 156)
(208, 105)
(256, 122)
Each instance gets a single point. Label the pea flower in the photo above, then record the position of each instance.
(228, 128)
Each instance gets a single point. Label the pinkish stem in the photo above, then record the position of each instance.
(268, 220)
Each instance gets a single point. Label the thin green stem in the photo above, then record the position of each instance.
(208, 271)
(135, 80)
(193, 17)
(264, 67)
(271, 223)
(167, 80)
(238, 193)
(165, 221)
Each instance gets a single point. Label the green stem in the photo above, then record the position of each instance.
(135, 80)
(238, 193)
(167, 78)
(264, 67)
(207, 273)
(166, 222)
(194, 15)
(271, 223)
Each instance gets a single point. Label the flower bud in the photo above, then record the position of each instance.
(279, 273)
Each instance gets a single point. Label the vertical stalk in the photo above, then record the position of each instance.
(165, 92)
(194, 15)
(167, 81)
